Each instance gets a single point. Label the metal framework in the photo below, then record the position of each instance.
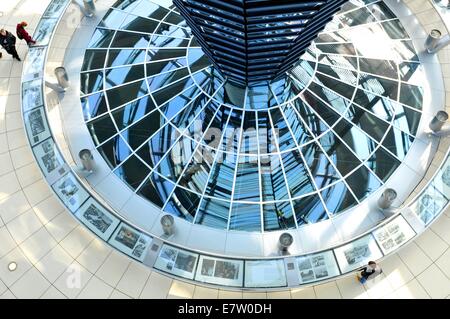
(255, 41)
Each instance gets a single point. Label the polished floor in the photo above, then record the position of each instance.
(49, 247)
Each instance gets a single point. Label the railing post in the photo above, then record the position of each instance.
(62, 77)
(284, 242)
(387, 198)
(438, 121)
(167, 223)
(87, 160)
(89, 8)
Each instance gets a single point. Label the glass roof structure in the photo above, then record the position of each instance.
(298, 151)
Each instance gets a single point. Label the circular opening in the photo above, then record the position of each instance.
(435, 33)
(286, 240)
(85, 154)
(12, 266)
(167, 220)
(391, 194)
(442, 116)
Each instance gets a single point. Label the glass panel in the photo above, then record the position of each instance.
(126, 93)
(93, 106)
(133, 112)
(118, 76)
(101, 129)
(115, 151)
(245, 217)
(309, 210)
(272, 179)
(101, 38)
(383, 164)
(148, 191)
(278, 216)
(124, 39)
(429, 204)
(362, 182)
(132, 172)
(246, 187)
(94, 59)
(124, 57)
(183, 204)
(411, 95)
(265, 273)
(359, 142)
(296, 174)
(338, 198)
(91, 82)
(319, 165)
(344, 160)
(398, 142)
(213, 213)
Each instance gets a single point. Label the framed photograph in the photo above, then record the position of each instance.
(50, 160)
(97, 219)
(394, 234)
(36, 126)
(357, 253)
(71, 193)
(177, 261)
(442, 179)
(317, 267)
(307, 275)
(44, 30)
(429, 204)
(131, 241)
(34, 63)
(56, 8)
(265, 273)
(32, 95)
(225, 272)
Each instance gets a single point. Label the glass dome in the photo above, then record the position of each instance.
(298, 151)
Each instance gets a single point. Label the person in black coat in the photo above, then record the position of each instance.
(8, 42)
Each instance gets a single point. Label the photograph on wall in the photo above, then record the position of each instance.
(55, 8)
(429, 204)
(317, 267)
(394, 234)
(265, 273)
(442, 179)
(226, 272)
(45, 30)
(34, 64)
(97, 219)
(177, 261)
(131, 241)
(357, 253)
(71, 193)
(49, 159)
(36, 126)
(32, 95)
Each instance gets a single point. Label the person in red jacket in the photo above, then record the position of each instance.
(22, 34)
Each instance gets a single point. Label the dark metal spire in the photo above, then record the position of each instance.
(256, 41)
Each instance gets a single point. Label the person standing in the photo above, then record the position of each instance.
(8, 42)
(22, 34)
(371, 271)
